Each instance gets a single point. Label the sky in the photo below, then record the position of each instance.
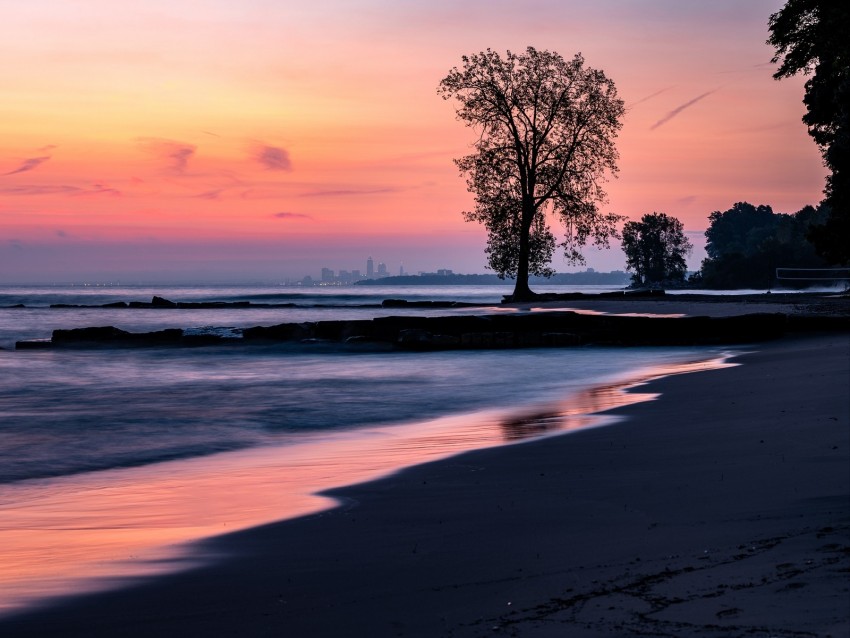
(259, 140)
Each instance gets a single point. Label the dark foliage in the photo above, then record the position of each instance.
(811, 37)
(546, 142)
(746, 244)
(655, 249)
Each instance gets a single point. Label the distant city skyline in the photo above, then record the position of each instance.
(345, 276)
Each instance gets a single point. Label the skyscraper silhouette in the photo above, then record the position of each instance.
(370, 268)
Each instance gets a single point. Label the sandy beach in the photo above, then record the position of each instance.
(720, 509)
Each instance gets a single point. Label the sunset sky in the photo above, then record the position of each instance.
(215, 140)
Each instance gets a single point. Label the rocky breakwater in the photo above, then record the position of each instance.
(520, 330)
(160, 303)
(539, 329)
(110, 336)
(470, 332)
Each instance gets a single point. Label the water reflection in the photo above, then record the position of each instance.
(94, 531)
(581, 409)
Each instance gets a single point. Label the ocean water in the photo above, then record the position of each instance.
(91, 440)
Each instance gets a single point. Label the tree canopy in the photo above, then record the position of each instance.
(746, 243)
(811, 37)
(547, 128)
(655, 249)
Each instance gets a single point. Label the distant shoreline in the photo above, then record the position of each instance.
(614, 278)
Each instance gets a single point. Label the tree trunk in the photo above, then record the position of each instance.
(521, 290)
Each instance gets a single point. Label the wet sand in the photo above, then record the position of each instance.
(720, 509)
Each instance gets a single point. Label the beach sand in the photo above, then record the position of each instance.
(720, 509)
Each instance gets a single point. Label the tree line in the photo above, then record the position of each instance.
(744, 246)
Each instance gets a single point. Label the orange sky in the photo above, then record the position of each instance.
(208, 139)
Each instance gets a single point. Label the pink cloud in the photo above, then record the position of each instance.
(59, 189)
(681, 108)
(29, 164)
(291, 216)
(345, 192)
(177, 154)
(273, 158)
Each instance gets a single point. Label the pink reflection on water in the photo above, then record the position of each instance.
(102, 529)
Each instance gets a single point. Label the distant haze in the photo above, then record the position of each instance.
(234, 263)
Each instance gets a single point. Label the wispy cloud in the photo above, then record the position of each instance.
(345, 192)
(681, 108)
(688, 199)
(176, 154)
(100, 189)
(29, 164)
(650, 96)
(291, 216)
(27, 189)
(59, 189)
(272, 158)
(211, 194)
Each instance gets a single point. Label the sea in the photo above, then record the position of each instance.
(115, 462)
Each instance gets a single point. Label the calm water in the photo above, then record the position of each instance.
(92, 440)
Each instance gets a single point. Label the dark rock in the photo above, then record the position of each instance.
(159, 337)
(110, 335)
(280, 332)
(560, 339)
(204, 340)
(818, 323)
(159, 302)
(341, 330)
(76, 335)
(487, 340)
(33, 344)
(404, 303)
(213, 304)
(414, 337)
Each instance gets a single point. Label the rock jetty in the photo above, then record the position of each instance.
(521, 330)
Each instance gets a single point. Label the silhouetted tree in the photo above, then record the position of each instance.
(655, 249)
(546, 142)
(811, 36)
(746, 244)
(740, 230)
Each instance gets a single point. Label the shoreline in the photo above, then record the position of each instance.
(720, 508)
(147, 512)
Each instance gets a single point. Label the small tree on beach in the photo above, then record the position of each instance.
(655, 249)
(547, 128)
